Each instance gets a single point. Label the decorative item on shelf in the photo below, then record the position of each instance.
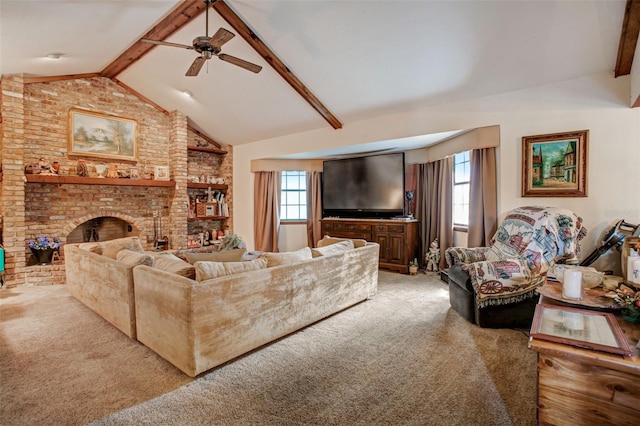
(43, 248)
(134, 173)
(432, 258)
(146, 170)
(113, 171)
(101, 169)
(83, 169)
(413, 266)
(193, 241)
(409, 196)
(56, 167)
(161, 172)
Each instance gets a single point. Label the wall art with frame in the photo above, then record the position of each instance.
(94, 134)
(555, 164)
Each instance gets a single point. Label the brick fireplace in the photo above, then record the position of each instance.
(35, 117)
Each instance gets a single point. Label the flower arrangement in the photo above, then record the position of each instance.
(413, 262)
(43, 242)
(629, 299)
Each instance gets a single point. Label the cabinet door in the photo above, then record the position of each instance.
(385, 247)
(397, 249)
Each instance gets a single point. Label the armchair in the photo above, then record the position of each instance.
(495, 286)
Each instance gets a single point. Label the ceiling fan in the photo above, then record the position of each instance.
(209, 46)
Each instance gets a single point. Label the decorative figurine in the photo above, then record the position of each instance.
(433, 256)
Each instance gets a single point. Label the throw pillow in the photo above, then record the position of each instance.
(275, 259)
(112, 247)
(133, 258)
(234, 255)
(338, 247)
(175, 265)
(96, 248)
(327, 240)
(209, 270)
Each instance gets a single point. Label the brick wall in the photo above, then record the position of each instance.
(35, 121)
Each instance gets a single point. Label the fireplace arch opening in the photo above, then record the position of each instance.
(102, 228)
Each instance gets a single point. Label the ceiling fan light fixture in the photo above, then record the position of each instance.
(187, 93)
(55, 55)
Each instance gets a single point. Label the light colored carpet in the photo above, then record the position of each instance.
(403, 357)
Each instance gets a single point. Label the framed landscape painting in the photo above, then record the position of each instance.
(555, 165)
(94, 134)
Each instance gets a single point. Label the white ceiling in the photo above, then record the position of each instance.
(360, 58)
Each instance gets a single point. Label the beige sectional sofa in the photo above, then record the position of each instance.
(198, 323)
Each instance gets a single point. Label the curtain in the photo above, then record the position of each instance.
(483, 202)
(433, 203)
(314, 207)
(266, 202)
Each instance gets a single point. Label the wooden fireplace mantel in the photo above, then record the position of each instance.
(78, 180)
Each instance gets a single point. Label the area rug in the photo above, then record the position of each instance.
(402, 357)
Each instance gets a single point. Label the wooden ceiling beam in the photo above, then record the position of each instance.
(628, 38)
(181, 15)
(259, 46)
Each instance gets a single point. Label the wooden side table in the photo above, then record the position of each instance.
(579, 386)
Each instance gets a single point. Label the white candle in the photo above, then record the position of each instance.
(572, 285)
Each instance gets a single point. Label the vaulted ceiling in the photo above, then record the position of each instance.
(341, 61)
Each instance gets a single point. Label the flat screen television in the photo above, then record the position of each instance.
(364, 187)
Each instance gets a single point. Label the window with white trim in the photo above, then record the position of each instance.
(293, 196)
(461, 187)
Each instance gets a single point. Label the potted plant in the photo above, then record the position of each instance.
(43, 247)
(230, 242)
(413, 266)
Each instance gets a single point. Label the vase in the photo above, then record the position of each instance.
(43, 256)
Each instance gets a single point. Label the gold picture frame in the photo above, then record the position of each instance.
(94, 134)
(555, 164)
(579, 327)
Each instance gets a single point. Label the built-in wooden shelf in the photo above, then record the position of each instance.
(191, 219)
(207, 185)
(206, 149)
(78, 180)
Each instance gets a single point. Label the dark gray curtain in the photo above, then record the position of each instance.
(314, 207)
(433, 200)
(483, 199)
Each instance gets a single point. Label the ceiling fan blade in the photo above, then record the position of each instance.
(166, 43)
(195, 67)
(221, 37)
(240, 62)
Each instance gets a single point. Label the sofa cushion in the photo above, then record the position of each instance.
(175, 265)
(276, 259)
(96, 248)
(234, 255)
(339, 247)
(112, 247)
(133, 258)
(209, 270)
(327, 240)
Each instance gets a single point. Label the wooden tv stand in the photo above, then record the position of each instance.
(398, 239)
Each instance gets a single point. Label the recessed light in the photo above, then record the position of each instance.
(55, 55)
(187, 93)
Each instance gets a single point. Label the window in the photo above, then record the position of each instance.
(293, 198)
(461, 185)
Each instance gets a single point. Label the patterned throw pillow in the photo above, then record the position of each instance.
(234, 255)
(275, 259)
(209, 270)
(339, 247)
(175, 265)
(133, 258)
